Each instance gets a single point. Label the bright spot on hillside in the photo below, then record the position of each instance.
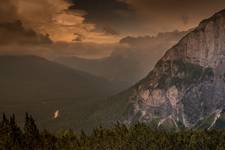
(56, 114)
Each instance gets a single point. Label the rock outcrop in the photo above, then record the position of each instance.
(188, 83)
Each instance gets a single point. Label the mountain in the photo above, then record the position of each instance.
(41, 87)
(186, 86)
(35, 78)
(130, 61)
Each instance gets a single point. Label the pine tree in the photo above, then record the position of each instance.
(31, 132)
(15, 134)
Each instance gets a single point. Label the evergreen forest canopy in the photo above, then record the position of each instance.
(118, 137)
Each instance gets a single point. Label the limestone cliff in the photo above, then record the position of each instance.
(188, 83)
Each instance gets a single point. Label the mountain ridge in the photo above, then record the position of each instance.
(29, 69)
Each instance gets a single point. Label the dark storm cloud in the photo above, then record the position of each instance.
(167, 15)
(114, 13)
(103, 10)
(176, 5)
(137, 17)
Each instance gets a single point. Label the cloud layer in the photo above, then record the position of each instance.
(48, 28)
(166, 15)
(92, 28)
(52, 17)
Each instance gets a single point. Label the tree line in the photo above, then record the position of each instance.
(118, 137)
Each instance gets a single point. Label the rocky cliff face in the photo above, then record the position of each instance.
(188, 83)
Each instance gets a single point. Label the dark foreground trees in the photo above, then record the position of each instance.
(118, 137)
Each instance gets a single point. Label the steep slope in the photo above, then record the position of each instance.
(187, 83)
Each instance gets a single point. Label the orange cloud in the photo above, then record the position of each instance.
(52, 17)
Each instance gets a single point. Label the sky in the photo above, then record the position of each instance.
(92, 28)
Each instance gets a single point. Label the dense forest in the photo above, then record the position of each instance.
(118, 137)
